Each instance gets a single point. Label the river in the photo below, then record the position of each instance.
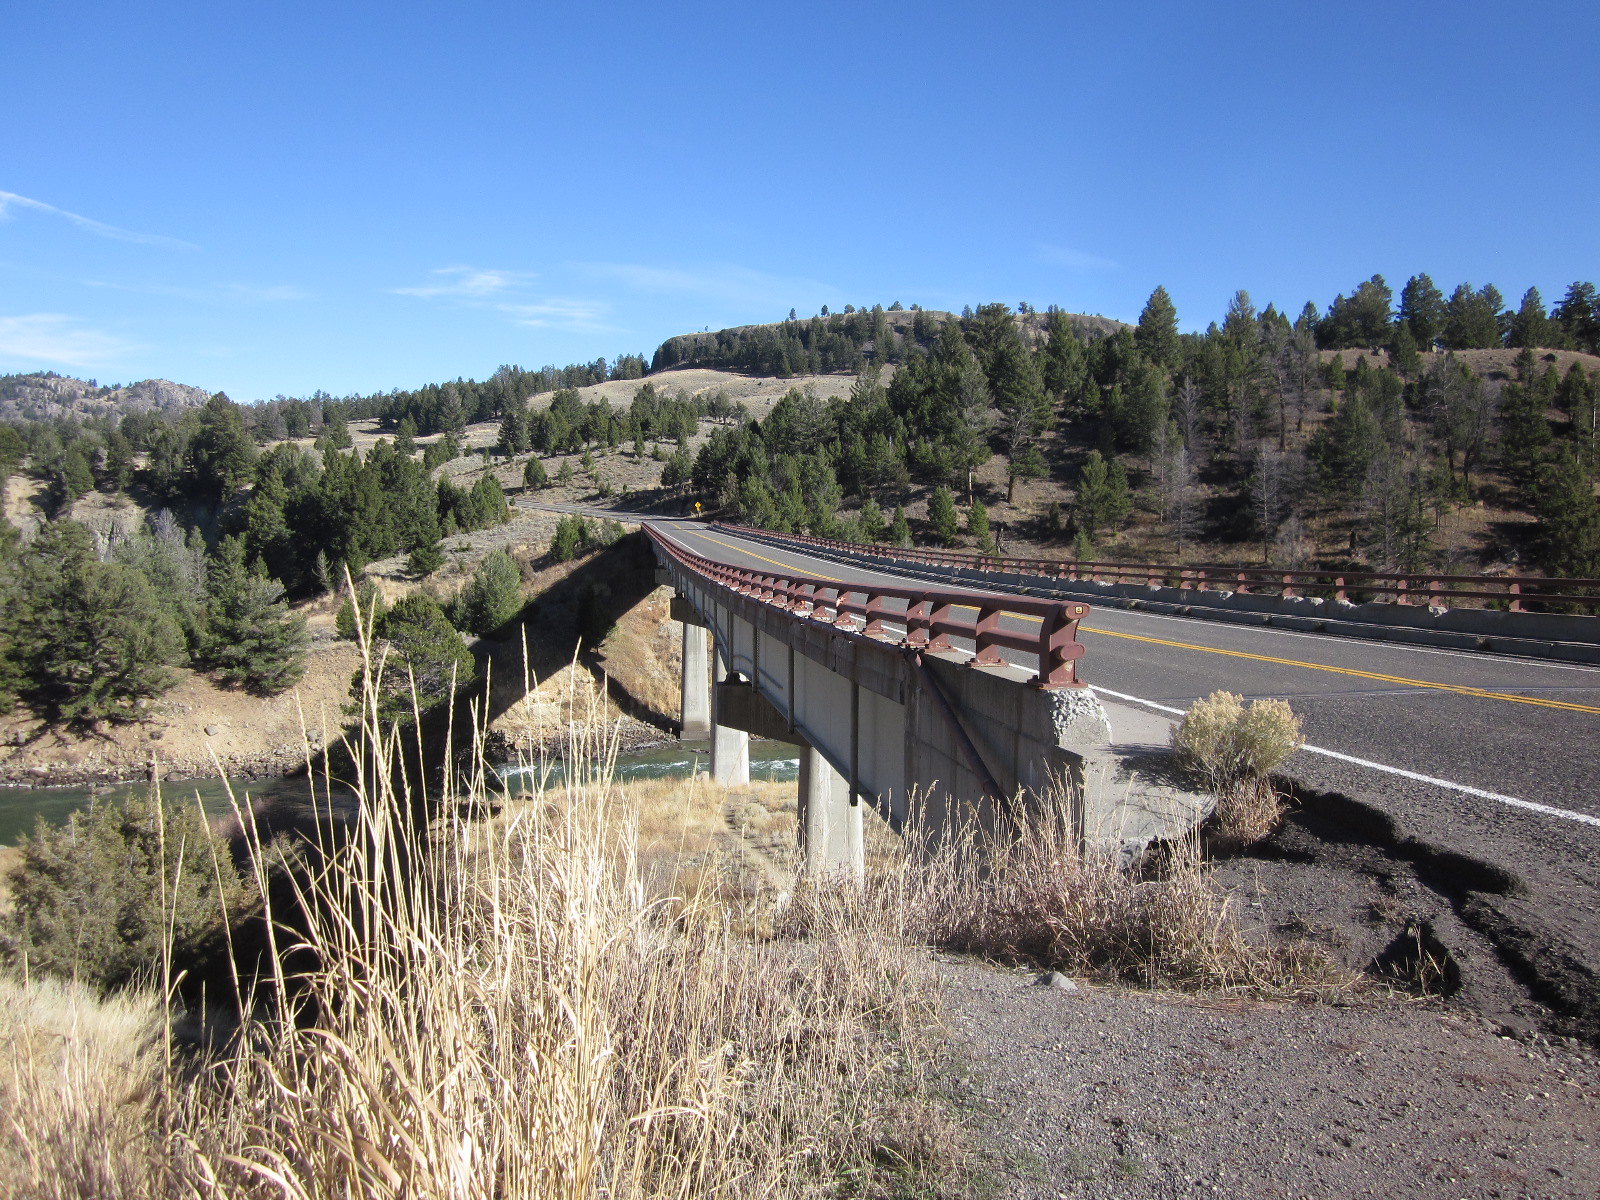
(21, 808)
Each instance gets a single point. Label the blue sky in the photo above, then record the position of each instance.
(275, 198)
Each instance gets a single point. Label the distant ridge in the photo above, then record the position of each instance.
(44, 396)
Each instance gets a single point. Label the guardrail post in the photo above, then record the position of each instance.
(1514, 590)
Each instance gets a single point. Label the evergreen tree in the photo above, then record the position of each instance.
(1578, 314)
(423, 652)
(942, 521)
(871, 520)
(1023, 408)
(978, 526)
(1103, 500)
(514, 430)
(222, 452)
(534, 476)
(1066, 368)
(1530, 326)
(1157, 334)
(1472, 318)
(1403, 351)
(253, 640)
(1527, 430)
(425, 558)
(570, 540)
(1569, 517)
(94, 640)
(493, 597)
(1422, 310)
(900, 528)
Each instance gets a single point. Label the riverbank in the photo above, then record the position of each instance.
(197, 730)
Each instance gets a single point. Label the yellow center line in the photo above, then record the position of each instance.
(1458, 689)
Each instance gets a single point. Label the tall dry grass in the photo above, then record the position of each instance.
(505, 1009)
(1033, 894)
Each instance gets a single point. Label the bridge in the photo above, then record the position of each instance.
(928, 703)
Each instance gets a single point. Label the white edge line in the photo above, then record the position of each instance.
(1466, 789)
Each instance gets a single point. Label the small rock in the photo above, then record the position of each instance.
(1055, 979)
(213, 730)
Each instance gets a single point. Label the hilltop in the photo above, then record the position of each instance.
(44, 396)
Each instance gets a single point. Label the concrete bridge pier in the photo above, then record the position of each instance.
(831, 830)
(730, 747)
(695, 709)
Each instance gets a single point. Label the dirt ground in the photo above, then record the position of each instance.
(192, 731)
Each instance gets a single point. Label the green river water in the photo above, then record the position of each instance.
(21, 807)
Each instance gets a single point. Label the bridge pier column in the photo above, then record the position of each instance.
(831, 834)
(730, 748)
(695, 711)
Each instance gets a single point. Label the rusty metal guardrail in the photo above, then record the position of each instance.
(1434, 590)
(929, 614)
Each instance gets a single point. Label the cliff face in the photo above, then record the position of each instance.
(46, 395)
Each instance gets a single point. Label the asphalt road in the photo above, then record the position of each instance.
(1486, 755)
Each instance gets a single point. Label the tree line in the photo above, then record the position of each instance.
(1249, 429)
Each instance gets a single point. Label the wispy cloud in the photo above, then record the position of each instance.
(561, 314)
(735, 284)
(469, 283)
(1075, 260)
(10, 201)
(56, 338)
(508, 292)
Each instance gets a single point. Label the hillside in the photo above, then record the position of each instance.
(841, 341)
(45, 396)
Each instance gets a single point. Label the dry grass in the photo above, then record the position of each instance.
(1235, 747)
(1034, 895)
(505, 1009)
(79, 1082)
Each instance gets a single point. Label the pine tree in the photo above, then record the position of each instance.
(493, 597)
(872, 524)
(900, 528)
(1403, 351)
(1422, 310)
(1579, 317)
(221, 453)
(1527, 430)
(1569, 517)
(534, 476)
(570, 540)
(424, 652)
(979, 529)
(93, 639)
(425, 558)
(1023, 407)
(253, 640)
(1530, 326)
(1103, 499)
(942, 521)
(1157, 333)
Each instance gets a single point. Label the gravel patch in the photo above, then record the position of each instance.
(1115, 1093)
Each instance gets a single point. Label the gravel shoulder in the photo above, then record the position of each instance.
(1115, 1093)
